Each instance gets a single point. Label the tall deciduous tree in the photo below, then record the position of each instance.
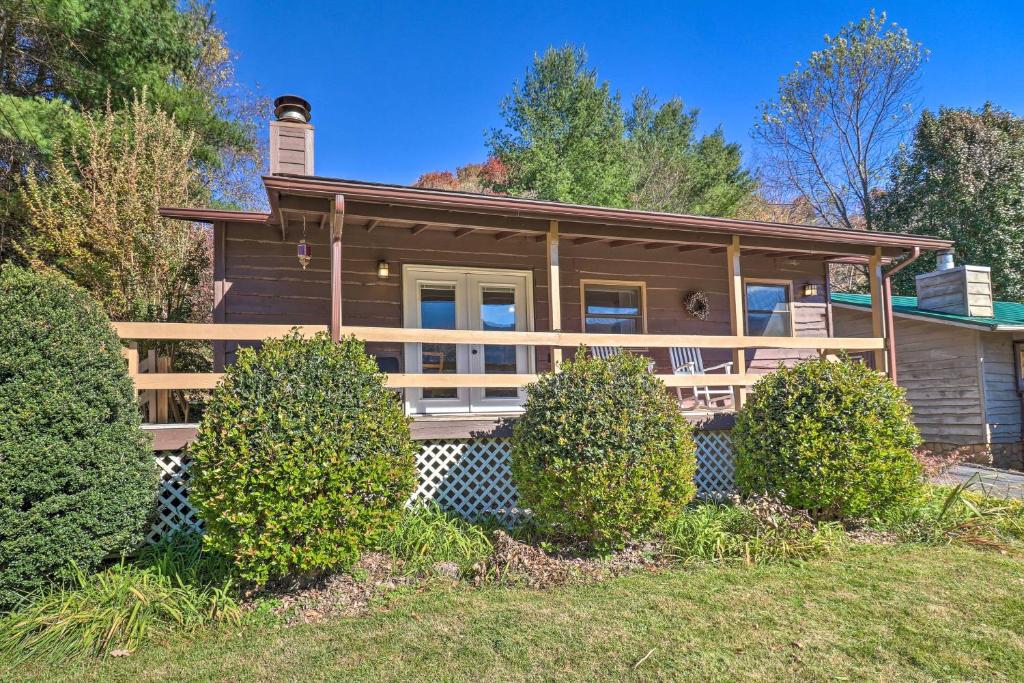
(831, 131)
(568, 138)
(95, 216)
(962, 178)
(673, 170)
(563, 135)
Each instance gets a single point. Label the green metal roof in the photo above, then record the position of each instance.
(1007, 313)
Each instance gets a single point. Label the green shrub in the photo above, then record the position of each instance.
(831, 437)
(77, 475)
(751, 532)
(601, 453)
(173, 588)
(302, 457)
(426, 535)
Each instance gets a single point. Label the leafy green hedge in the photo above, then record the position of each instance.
(77, 475)
(602, 453)
(302, 457)
(834, 438)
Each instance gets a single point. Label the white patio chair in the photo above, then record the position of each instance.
(687, 360)
(606, 352)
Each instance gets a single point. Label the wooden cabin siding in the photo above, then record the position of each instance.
(938, 366)
(1002, 404)
(264, 282)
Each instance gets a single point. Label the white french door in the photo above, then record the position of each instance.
(452, 298)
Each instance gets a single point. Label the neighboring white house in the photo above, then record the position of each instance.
(958, 355)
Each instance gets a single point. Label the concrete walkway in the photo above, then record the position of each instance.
(998, 483)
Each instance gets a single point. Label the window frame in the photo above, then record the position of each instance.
(638, 285)
(788, 284)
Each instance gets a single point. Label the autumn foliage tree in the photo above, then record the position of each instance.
(95, 217)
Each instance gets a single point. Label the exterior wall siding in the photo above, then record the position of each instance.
(265, 284)
(1002, 404)
(938, 365)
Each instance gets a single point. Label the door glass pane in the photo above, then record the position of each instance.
(437, 312)
(498, 313)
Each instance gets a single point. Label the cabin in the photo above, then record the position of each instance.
(958, 356)
(463, 298)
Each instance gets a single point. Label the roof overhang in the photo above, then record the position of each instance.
(292, 197)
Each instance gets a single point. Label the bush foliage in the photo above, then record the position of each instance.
(602, 453)
(77, 477)
(833, 438)
(303, 455)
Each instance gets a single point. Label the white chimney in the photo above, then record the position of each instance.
(291, 137)
(963, 290)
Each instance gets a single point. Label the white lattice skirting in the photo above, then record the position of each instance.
(468, 476)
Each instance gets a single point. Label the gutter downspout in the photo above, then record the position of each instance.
(890, 325)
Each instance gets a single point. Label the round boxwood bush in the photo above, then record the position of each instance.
(835, 438)
(302, 458)
(602, 454)
(77, 475)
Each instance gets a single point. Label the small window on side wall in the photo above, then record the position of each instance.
(610, 308)
(769, 309)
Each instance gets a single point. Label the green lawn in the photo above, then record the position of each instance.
(896, 613)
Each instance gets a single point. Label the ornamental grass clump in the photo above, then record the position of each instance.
(833, 438)
(602, 454)
(302, 459)
(77, 476)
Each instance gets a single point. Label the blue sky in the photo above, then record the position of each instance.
(400, 88)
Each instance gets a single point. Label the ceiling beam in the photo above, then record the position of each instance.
(419, 227)
(462, 232)
(506, 235)
(371, 224)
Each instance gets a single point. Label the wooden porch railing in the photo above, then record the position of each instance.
(257, 332)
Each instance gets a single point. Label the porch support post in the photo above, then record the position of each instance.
(337, 223)
(877, 306)
(219, 290)
(736, 317)
(554, 291)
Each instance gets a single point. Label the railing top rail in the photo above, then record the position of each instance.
(256, 332)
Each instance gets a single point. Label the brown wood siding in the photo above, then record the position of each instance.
(938, 365)
(266, 284)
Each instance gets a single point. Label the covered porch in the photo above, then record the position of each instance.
(464, 298)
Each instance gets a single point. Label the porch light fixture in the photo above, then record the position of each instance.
(304, 251)
(383, 269)
(810, 289)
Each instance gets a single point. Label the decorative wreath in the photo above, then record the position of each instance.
(697, 305)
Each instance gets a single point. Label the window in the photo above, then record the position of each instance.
(768, 310)
(613, 308)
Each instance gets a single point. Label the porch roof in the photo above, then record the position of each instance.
(292, 196)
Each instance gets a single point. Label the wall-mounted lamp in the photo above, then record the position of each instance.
(810, 289)
(304, 253)
(383, 269)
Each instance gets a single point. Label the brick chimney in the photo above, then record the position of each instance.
(291, 137)
(963, 290)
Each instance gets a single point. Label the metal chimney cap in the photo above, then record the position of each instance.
(292, 108)
(944, 260)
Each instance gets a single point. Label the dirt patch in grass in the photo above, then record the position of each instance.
(335, 595)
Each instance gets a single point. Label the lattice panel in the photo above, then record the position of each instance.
(468, 476)
(716, 468)
(173, 509)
